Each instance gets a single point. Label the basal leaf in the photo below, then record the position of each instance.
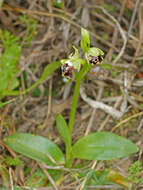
(35, 147)
(103, 146)
(63, 129)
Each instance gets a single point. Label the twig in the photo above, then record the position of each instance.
(110, 23)
(64, 169)
(104, 187)
(85, 179)
(122, 34)
(124, 90)
(67, 91)
(133, 17)
(49, 177)
(140, 31)
(96, 104)
(140, 125)
(35, 12)
(111, 99)
(115, 33)
(92, 118)
(126, 120)
(117, 103)
(2, 119)
(49, 103)
(11, 180)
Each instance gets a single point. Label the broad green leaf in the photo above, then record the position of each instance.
(63, 129)
(85, 40)
(35, 147)
(103, 146)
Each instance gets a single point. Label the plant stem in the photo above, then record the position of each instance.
(81, 75)
(75, 97)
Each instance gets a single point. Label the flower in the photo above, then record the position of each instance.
(67, 69)
(94, 60)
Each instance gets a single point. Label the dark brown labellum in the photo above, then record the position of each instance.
(95, 60)
(67, 70)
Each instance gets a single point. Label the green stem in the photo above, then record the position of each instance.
(81, 75)
(75, 96)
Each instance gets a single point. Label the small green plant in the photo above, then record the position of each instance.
(103, 177)
(10, 161)
(95, 146)
(11, 55)
(9, 63)
(136, 172)
(37, 179)
(9, 68)
(30, 25)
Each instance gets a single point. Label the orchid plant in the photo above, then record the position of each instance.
(96, 146)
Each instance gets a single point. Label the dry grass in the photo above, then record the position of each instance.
(118, 34)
